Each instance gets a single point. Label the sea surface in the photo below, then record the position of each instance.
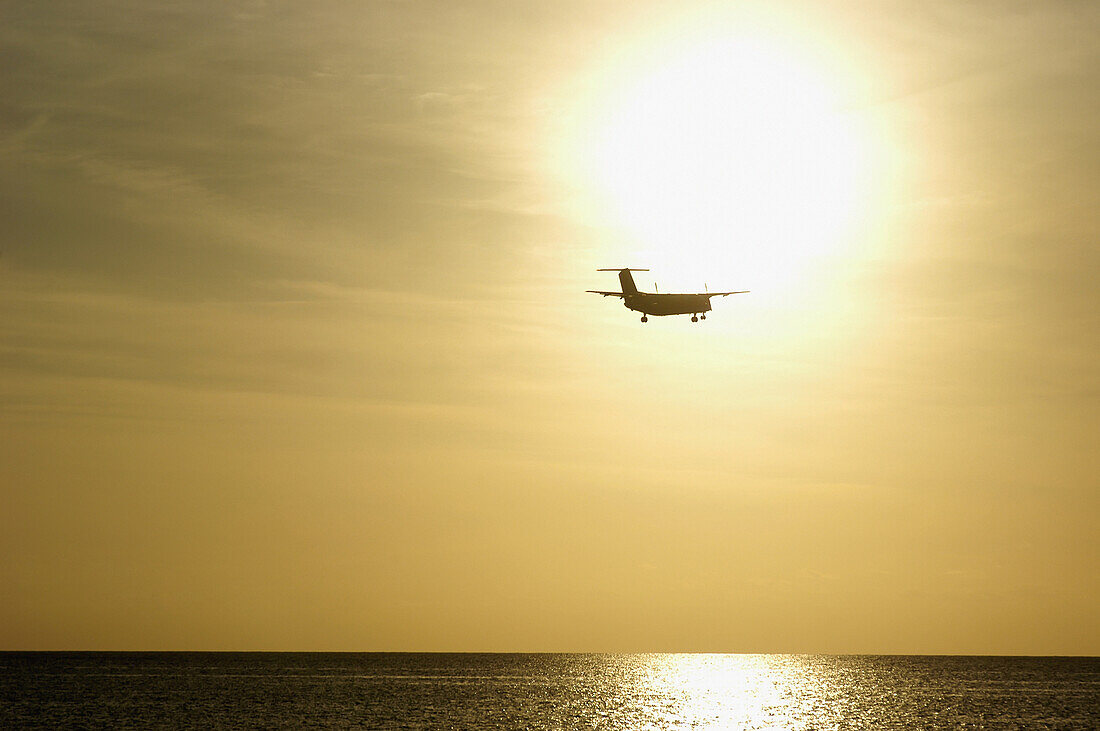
(517, 691)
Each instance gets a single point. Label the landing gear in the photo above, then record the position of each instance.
(645, 319)
(694, 318)
(702, 317)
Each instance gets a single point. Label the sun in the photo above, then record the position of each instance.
(722, 159)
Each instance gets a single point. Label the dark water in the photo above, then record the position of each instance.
(442, 691)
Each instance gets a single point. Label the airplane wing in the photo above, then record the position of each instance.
(605, 294)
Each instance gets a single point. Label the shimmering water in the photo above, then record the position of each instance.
(474, 691)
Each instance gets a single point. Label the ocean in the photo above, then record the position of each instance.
(544, 691)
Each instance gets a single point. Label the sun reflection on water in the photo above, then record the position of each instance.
(730, 691)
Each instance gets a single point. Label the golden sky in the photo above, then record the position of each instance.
(295, 352)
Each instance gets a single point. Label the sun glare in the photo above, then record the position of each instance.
(724, 159)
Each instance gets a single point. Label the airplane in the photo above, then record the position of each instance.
(696, 305)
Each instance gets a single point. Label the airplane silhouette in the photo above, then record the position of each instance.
(696, 305)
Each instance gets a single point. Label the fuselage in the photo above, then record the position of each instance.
(667, 304)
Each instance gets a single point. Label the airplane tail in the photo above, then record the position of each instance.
(625, 280)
